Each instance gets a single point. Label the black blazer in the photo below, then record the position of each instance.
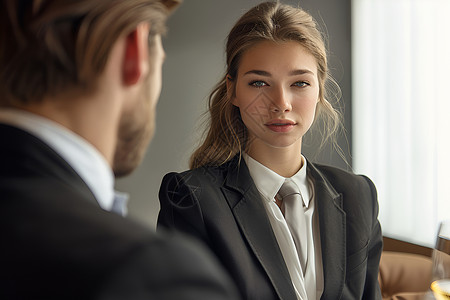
(57, 243)
(222, 207)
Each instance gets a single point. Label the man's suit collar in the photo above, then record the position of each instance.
(27, 155)
(81, 155)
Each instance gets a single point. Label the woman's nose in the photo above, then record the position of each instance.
(280, 101)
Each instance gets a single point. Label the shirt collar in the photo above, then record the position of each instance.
(84, 158)
(269, 183)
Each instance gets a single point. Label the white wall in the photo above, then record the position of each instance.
(195, 62)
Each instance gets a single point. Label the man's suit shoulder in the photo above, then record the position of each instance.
(172, 267)
(106, 253)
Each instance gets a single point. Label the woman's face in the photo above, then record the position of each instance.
(277, 91)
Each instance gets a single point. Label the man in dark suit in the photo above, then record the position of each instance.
(79, 82)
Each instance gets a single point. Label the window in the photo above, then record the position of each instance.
(401, 111)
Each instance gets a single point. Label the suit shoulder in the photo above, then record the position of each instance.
(332, 171)
(341, 179)
(67, 229)
(206, 175)
(162, 268)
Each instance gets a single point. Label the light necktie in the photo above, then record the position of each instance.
(119, 205)
(292, 205)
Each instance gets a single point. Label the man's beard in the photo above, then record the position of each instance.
(135, 131)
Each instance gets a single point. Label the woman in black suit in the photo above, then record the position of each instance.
(284, 227)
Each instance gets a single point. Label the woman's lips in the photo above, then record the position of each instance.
(280, 125)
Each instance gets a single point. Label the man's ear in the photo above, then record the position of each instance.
(231, 89)
(135, 59)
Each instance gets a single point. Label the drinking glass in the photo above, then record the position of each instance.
(441, 263)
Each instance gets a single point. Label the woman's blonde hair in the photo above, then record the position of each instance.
(226, 134)
(55, 45)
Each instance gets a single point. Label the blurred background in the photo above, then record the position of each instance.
(391, 61)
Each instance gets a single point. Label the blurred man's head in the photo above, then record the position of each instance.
(138, 119)
(61, 50)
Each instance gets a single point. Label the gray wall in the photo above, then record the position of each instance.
(194, 63)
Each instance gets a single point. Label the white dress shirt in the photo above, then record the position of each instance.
(84, 158)
(308, 285)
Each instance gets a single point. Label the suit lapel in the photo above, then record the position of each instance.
(332, 234)
(249, 211)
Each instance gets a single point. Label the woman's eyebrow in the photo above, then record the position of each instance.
(301, 72)
(268, 74)
(259, 72)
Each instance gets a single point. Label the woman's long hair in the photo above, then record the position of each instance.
(226, 134)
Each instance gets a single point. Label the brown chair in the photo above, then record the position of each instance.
(404, 276)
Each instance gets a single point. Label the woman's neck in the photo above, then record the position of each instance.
(283, 161)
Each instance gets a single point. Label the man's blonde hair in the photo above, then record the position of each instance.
(49, 46)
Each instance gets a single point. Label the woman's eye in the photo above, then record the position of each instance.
(300, 84)
(258, 83)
